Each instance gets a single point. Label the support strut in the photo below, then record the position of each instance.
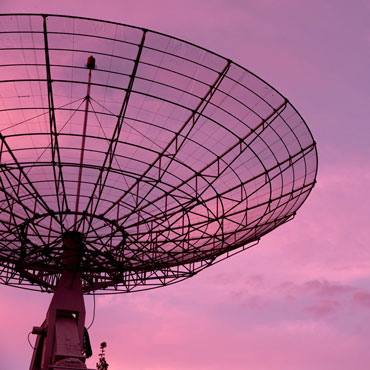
(90, 65)
(60, 339)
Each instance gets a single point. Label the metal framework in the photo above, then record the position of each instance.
(165, 156)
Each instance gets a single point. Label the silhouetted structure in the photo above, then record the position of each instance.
(136, 171)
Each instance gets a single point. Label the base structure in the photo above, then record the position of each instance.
(62, 341)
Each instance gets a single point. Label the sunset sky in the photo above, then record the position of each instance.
(300, 300)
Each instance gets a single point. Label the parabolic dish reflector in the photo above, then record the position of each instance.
(169, 159)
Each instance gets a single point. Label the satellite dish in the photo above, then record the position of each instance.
(132, 160)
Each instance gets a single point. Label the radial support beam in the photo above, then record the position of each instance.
(54, 146)
(60, 339)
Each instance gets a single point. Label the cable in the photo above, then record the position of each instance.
(93, 318)
(28, 338)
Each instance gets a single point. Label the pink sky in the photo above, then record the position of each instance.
(301, 298)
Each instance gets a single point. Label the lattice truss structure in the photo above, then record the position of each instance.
(185, 157)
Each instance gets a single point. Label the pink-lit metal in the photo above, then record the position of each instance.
(134, 172)
(174, 160)
(59, 343)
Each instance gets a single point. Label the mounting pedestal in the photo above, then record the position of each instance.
(59, 343)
